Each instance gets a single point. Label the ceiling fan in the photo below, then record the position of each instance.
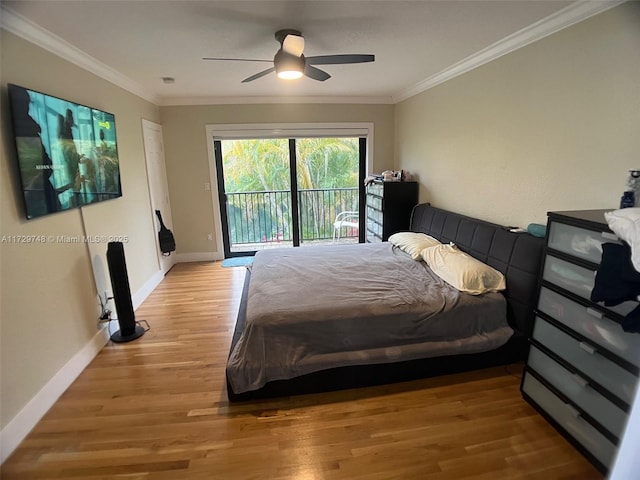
(290, 63)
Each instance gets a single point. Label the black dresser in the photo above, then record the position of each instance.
(582, 368)
(389, 207)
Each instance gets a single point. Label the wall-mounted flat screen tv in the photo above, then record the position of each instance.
(67, 152)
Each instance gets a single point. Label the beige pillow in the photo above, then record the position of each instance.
(413, 243)
(462, 271)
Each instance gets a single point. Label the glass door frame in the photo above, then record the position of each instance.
(363, 131)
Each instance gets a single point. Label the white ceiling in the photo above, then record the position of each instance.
(417, 44)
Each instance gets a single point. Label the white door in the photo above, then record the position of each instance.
(158, 186)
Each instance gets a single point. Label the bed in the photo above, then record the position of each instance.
(336, 317)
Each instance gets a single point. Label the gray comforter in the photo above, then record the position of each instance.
(314, 308)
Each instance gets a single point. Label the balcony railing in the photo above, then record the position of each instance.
(264, 217)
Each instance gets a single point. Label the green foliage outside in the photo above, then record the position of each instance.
(324, 167)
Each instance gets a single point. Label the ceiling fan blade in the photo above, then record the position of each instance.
(316, 73)
(236, 59)
(259, 74)
(339, 59)
(293, 44)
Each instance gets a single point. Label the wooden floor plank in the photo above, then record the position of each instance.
(156, 409)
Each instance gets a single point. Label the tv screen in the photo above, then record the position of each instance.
(67, 152)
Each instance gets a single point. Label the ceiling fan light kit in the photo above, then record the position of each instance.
(289, 63)
(288, 67)
(289, 74)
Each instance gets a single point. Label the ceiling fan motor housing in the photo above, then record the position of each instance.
(287, 62)
(282, 34)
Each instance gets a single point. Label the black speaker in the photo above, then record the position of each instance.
(129, 329)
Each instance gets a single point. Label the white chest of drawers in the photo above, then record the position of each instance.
(582, 370)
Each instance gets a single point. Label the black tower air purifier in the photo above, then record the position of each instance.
(129, 330)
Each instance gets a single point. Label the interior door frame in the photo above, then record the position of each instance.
(362, 130)
(165, 262)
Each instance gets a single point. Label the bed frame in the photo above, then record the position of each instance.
(517, 255)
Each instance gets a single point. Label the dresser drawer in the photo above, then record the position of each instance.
(374, 202)
(579, 242)
(375, 189)
(372, 237)
(374, 228)
(591, 324)
(578, 280)
(574, 278)
(569, 419)
(576, 389)
(373, 214)
(609, 375)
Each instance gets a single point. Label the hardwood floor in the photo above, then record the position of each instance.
(156, 408)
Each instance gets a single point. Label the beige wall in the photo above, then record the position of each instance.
(552, 126)
(188, 162)
(49, 306)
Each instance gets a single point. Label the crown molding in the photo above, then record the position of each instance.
(570, 15)
(33, 33)
(177, 101)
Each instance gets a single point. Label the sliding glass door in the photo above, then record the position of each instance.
(278, 192)
(328, 181)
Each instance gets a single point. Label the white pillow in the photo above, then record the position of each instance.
(413, 243)
(462, 271)
(626, 224)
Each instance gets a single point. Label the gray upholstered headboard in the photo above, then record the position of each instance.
(516, 255)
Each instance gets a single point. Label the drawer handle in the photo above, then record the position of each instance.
(587, 348)
(609, 236)
(574, 413)
(580, 381)
(594, 313)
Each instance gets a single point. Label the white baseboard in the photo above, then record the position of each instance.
(199, 257)
(20, 426)
(148, 287)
